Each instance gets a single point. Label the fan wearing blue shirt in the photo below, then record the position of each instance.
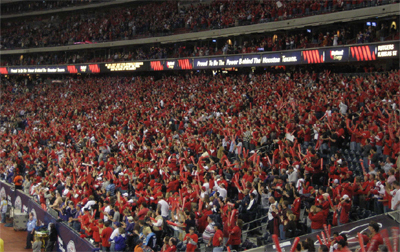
(30, 226)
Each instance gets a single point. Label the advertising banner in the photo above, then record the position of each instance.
(271, 59)
(5, 191)
(21, 201)
(387, 50)
(216, 62)
(250, 60)
(85, 68)
(233, 61)
(39, 70)
(160, 65)
(156, 65)
(69, 240)
(39, 212)
(125, 66)
(61, 69)
(291, 58)
(185, 64)
(316, 56)
(170, 65)
(333, 55)
(362, 53)
(201, 63)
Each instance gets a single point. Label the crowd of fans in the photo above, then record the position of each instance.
(18, 7)
(187, 160)
(298, 40)
(155, 19)
(73, 57)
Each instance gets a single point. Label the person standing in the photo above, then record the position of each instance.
(191, 240)
(114, 234)
(375, 237)
(105, 236)
(30, 226)
(18, 180)
(235, 235)
(317, 218)
(395, 202)
(120, 240)
(164, 208)
(3, 209)
(217, 243)
(209, 232)
(37, 245)
(52, 238)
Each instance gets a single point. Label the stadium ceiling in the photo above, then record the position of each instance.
(344, 16)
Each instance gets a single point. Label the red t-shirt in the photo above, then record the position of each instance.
(142, 213)
(216, 242)
(96, 228)
(105, 235)
(190, 247)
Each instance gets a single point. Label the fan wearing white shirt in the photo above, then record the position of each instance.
(89, 204)
(114, 234)
(221, 190)
(395, 196)
(206, 185)
(164, 208)
(107, 210)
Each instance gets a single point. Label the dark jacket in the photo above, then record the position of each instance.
(290, 229)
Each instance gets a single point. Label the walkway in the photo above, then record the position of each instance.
(14, 241)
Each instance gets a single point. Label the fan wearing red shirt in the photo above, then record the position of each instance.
(96, 227)
(375, 239)
(124, 183)
(105, 236)
(217, 243)
(296, 205)
(142, 212)
(345, 206)
(85, 221)
(317, 218)
(171, 245)
(191, 240)
(173, 185)
(235, 234)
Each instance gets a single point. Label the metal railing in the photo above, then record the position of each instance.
(394, 214)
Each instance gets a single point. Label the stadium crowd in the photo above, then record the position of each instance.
(156, 19)
(183, 160)
(18, 7)
(269, 42)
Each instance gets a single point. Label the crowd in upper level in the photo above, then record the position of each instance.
(252, 44)
(157, 19)
(19, 7)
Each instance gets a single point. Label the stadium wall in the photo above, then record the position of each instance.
(68, 240)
